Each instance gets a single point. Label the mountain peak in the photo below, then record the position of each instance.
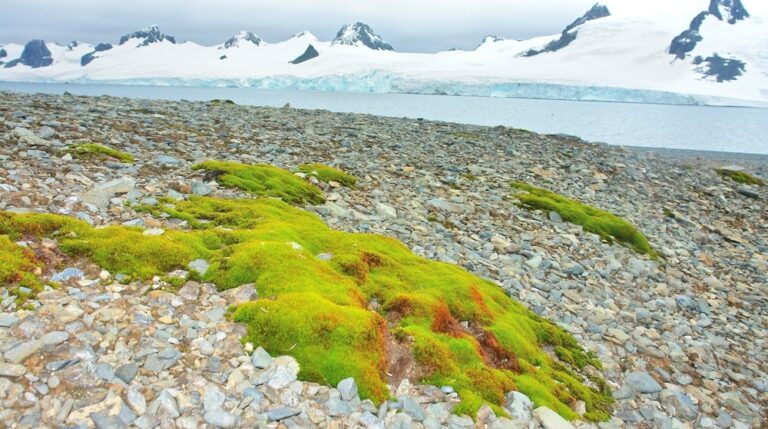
(243, 36)
(596, 12)
(35, 55)
(360, 34)
(489, 39)
(149, 35)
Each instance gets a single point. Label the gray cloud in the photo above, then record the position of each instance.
(409, 25)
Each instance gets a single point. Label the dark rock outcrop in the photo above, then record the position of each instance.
(147, 36)
(90, 56)
(731, 11)
(686, 41)
(3, 53)
(728, 10)
(722, 69)
(569, 34)
(308, 54)
(35, 55)
(598, 11)
(360, 33)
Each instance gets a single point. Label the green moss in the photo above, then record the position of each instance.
(605, 224)
(326, 174)
(318, 310)
(99, 151)
(264, 180)
(740, 177)
(17, 266)
(219, 101)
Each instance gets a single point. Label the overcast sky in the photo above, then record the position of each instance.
(409, 25)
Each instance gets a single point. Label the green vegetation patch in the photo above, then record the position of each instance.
(264, 180)
(99, 151)
(326, 174)
(17, 268)
(740, 177)
(605, 224)
(345, 313)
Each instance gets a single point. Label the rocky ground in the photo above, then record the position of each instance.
(683, 341)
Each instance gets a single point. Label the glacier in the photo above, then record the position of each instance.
(382, 82)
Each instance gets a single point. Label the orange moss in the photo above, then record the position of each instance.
(445, 323)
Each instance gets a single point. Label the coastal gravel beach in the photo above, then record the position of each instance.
(682, 339)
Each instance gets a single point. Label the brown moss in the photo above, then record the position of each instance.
(445, 323)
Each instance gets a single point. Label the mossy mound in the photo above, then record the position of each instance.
(327, 174)
(99, 151)
(264, 180)
(740, 177)
(605, 224)
(345, 313)
(17, 267)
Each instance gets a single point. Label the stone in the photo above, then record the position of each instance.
(12, 369)
(519, 406)
(201, 188)
(67, 274)
(220, 418)
(282, 413)
(260, 358)
(23, 351)
(153, 232)
(642, 382)
(165, 403)
(136, 400)
(100, 194)
(199, 266)
(681, 405)
(550, 419)
(213, 398)
(54, 338)
(126, 373)
(348, 389)
(8, 319)
(412, 408)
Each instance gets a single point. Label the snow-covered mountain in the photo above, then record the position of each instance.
(714, 52)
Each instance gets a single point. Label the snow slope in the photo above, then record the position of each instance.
(622, 57)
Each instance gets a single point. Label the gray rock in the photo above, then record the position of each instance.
(127, 372)
(213, 398)
(135, 399)
(555, 217)
(347, 388)
(277, 414)
(67, 274)
(220, 418)
(164, 403)
(681, 405)
(199, 266)
(200, 188)
(12, 369)
(642, 382)
(338, 407)
(166, 161)
(550, 419)
(8, 319)
(103, 421)
(100, 194)
(105, 371)
(412, 408)
(519, 406)
(260, 358)
(54, 338)
(23, 351)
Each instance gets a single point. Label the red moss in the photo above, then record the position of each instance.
(444, 322)
(494, 354)
(483, 312)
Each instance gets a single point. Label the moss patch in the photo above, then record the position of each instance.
(740, 177)
(99, 151)
(17, 267)
(264, 180)
(326, 174)
(605, 224)
(318, 310)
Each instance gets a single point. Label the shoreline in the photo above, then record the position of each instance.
(600, 121)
